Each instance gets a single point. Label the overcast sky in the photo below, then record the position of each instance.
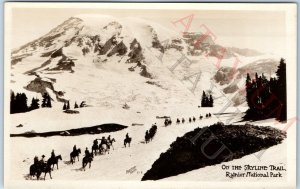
(260, 30)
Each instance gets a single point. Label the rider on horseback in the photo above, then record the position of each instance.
(95, 142)
(87, 152)
(42, 161)
(108, 138)
(127, 136)
(74, 148)
(52, 154)
(35, 160)
(103, 141)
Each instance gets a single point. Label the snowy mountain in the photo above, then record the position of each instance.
(108, 62)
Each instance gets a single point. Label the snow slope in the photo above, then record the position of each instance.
(139, 156)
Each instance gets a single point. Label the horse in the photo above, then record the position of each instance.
(35, 170)
(103, 148)
(87, 160)
(75, 154)
(95, 148)
(38, 168)
(54, 161)
(127, 141)
(110, 143)
(46, 168)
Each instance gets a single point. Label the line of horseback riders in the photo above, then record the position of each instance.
(192, 118)
(104, 145)
(150, 134)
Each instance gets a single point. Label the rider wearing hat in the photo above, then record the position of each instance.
(87, 152)
(42, 160)
(103, 140)
(74, 148)
(52, 154)
(35, 160)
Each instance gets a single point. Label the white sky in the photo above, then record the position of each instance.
(260, 30)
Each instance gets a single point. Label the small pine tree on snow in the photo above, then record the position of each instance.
(75, 105)
(68, 105)
(49, 102)
(34, 104)
(45, 99)
(211, 101)
(12, 103)
(203, 100)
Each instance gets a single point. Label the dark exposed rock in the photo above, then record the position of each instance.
(16, 59)
(47, 54)
(135, 54)
(108, 45)
(201, 147)
(144, 72)
(40, 86)
(64, 64)
(57, 53)
(71, 112)
(120, 49)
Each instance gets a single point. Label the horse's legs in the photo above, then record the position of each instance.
(57, 165)
(90, 165)
(78, 157)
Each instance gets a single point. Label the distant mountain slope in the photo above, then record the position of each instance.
(108, 61)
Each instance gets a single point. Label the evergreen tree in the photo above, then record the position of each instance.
(34, 104)
(45, 100)
(281, 89)
(75, 105)
(23, 103)
(49, 101)
(68, 105)
(12, 103)
(267, 98)
(203, 100)
(211, 101)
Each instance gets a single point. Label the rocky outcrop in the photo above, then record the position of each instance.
(108, 45)
(38, 85)
(201, 147)
(120, 50)
(135, 55)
